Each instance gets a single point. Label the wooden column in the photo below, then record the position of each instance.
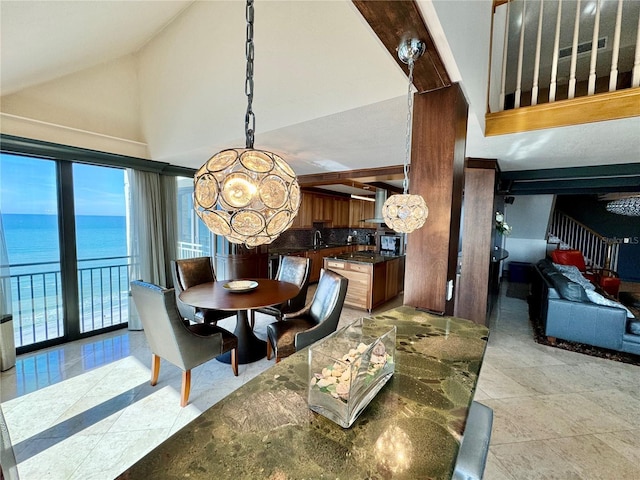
(477, 229)
(437, 173)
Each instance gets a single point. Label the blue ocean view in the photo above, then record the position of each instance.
(34, 238)
(36, 286)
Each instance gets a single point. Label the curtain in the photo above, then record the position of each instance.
(7, 341)
(152, 234)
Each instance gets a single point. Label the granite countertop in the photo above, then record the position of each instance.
(410, 430)
(365, 257)
(305, 248)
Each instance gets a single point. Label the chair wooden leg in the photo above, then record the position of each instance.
(269, 350)
(186, 388)
(252, 318)
(234, 361)
(155, 368)
(278, 359)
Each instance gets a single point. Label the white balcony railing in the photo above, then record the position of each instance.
(545, 51)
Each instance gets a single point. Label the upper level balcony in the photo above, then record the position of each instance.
(545, 73)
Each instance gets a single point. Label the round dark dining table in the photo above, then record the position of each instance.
(213, 295)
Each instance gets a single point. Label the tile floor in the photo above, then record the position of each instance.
(86, 411)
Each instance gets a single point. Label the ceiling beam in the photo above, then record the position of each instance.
(396, 20)
(365, 175)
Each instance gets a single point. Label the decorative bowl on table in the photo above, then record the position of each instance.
(240, 286)
(348, 368)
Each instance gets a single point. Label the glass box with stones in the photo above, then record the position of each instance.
(348, 368)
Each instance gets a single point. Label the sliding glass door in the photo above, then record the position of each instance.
(65, 231)
(101, 246)
(29, 207)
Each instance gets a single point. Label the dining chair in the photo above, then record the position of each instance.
(189, 272)
(293, 270)
(316, 320)
(186, 346)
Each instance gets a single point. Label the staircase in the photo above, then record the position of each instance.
(598, 251)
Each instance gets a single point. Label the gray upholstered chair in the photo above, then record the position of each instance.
(293, 270)
(169, 337)
(187, 273)
(316, 320)
(472, 455)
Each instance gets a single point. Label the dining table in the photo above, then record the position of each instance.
(218, 296)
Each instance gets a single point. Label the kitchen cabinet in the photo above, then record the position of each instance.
(340, 217)
(317, 259)
(304, 219)
(355, 213)
(322, 208)
(370, 284)
(368, 211)
(360, 210)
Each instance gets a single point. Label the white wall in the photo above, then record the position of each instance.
(467, 26)
(184, 71)
(97, 108)
(529, 218)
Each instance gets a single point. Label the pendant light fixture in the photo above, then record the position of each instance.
(248, 196)
(629, 206)
(406, 213)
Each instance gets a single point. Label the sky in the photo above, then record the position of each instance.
(28, 186)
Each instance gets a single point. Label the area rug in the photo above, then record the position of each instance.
(540, 337)
(518, 290)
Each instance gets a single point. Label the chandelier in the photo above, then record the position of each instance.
(248, 196)
(406, 213)
(629, 206)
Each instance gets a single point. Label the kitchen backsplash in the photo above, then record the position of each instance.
(304, 238)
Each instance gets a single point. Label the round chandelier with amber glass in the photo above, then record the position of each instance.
(248, 196)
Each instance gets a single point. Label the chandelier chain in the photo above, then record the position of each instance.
(249, 118)
(407, 157)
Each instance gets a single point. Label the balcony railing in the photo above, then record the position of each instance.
(545, 52)
(103, 292)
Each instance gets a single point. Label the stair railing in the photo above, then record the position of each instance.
(598, 251)
(555, 56)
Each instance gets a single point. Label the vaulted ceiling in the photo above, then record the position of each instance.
(166, 79)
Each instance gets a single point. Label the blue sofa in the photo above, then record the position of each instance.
(565, 312)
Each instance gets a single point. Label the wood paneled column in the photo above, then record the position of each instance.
(437, 173)
(477, 229)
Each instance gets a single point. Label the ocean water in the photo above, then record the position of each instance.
(33, 247)
(34, 239)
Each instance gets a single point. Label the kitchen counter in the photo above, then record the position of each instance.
(410, 430)
(304, 248)
(366, 257)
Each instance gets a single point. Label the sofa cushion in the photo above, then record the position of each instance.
(633, 326)
(595, 297)
(573, 274)
(566, 288)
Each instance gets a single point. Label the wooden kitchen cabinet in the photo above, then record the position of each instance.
(317, 259)
(368, 211)
(322, 209)
(340, 215)
(370, 284)
(304, 219)
(355, 213)
(360, 210)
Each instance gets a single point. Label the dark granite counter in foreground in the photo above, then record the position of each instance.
(410, 430)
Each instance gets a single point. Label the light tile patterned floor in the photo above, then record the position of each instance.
(86, 410)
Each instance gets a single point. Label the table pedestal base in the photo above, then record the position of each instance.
(250, 348)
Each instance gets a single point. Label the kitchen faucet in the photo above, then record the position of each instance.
(317, 238)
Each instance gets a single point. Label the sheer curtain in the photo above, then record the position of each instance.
(152, 234)
(7, 341)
